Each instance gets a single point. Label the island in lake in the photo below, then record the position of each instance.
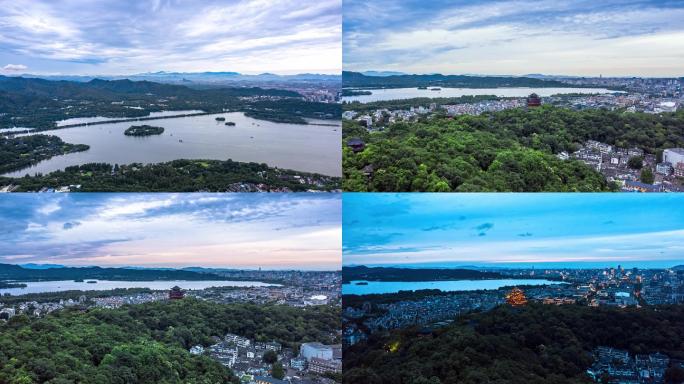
(143, 130)
(354, 92)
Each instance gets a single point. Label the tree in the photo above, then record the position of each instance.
(277, 370)
(674, 375)
(270, 357)
(635, 162)
(647, 176)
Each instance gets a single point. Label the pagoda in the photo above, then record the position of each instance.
(516, 297)
(176, 293)
(533, 100)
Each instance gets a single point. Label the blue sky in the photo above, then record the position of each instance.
(134, 36)
(274, 231)
(502, 229)
(569, 37)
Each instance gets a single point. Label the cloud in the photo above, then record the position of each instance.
(69, 225)
(485, 227)
(85, 37)
(516, 37)
(530, 228)
(239, 230)
(49, 208)
(14, 67)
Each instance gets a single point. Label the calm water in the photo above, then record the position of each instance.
(446, 286)
(409, 93)
(14, 129)
(309, 148)
(82, 120)
(102, 285)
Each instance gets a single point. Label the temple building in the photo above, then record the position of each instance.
(516, 297)
(176, 293)
(533, 100)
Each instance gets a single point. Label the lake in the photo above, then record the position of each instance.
(302, 147)
(103, 285)
(446, 286)
(84, 120)
(409, 93)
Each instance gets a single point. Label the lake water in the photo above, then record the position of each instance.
(15, 129)
(302, 147)
(446, 286)
(409, 93)
(103, 285)
(83, 120)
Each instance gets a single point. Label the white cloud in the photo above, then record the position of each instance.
(14, 67)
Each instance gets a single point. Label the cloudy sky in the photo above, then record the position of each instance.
(564, 229)
(135, 36)
(569, 37)
(272, 231)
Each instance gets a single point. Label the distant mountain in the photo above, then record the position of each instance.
(382, 73)
(360, 80)
(100, 89)
(678, 268)
(19, 273)
(198, 77)
(413, 274)
(40, 266)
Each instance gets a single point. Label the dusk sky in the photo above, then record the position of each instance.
(112, 37)
(569, 37)
(271, 231)
(504, 229)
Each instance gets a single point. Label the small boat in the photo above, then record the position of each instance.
(180, 141)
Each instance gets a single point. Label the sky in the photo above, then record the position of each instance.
(271, 231)
(570, 37)
(514, 229)
(122, 37)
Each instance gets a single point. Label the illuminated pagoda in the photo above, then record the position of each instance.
(533, 100)
(516, 297)
(176, 293)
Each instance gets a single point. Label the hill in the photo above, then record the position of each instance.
(18, 273)
(411, 274)
(39, 103)
(535, 344)
(359, 80)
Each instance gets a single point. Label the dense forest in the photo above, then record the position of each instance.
(413, 274)
(146, 343)
(173, 176)
(143, 130)
(21, 152)
(18, 273)
(537, 343)
(359, 80)
(511, 150)
(38, 103)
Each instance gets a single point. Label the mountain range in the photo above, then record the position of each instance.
(199, 77)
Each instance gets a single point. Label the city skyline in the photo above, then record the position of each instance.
(513, 230)
(581, 38)
(73, 37)
(246, 231)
